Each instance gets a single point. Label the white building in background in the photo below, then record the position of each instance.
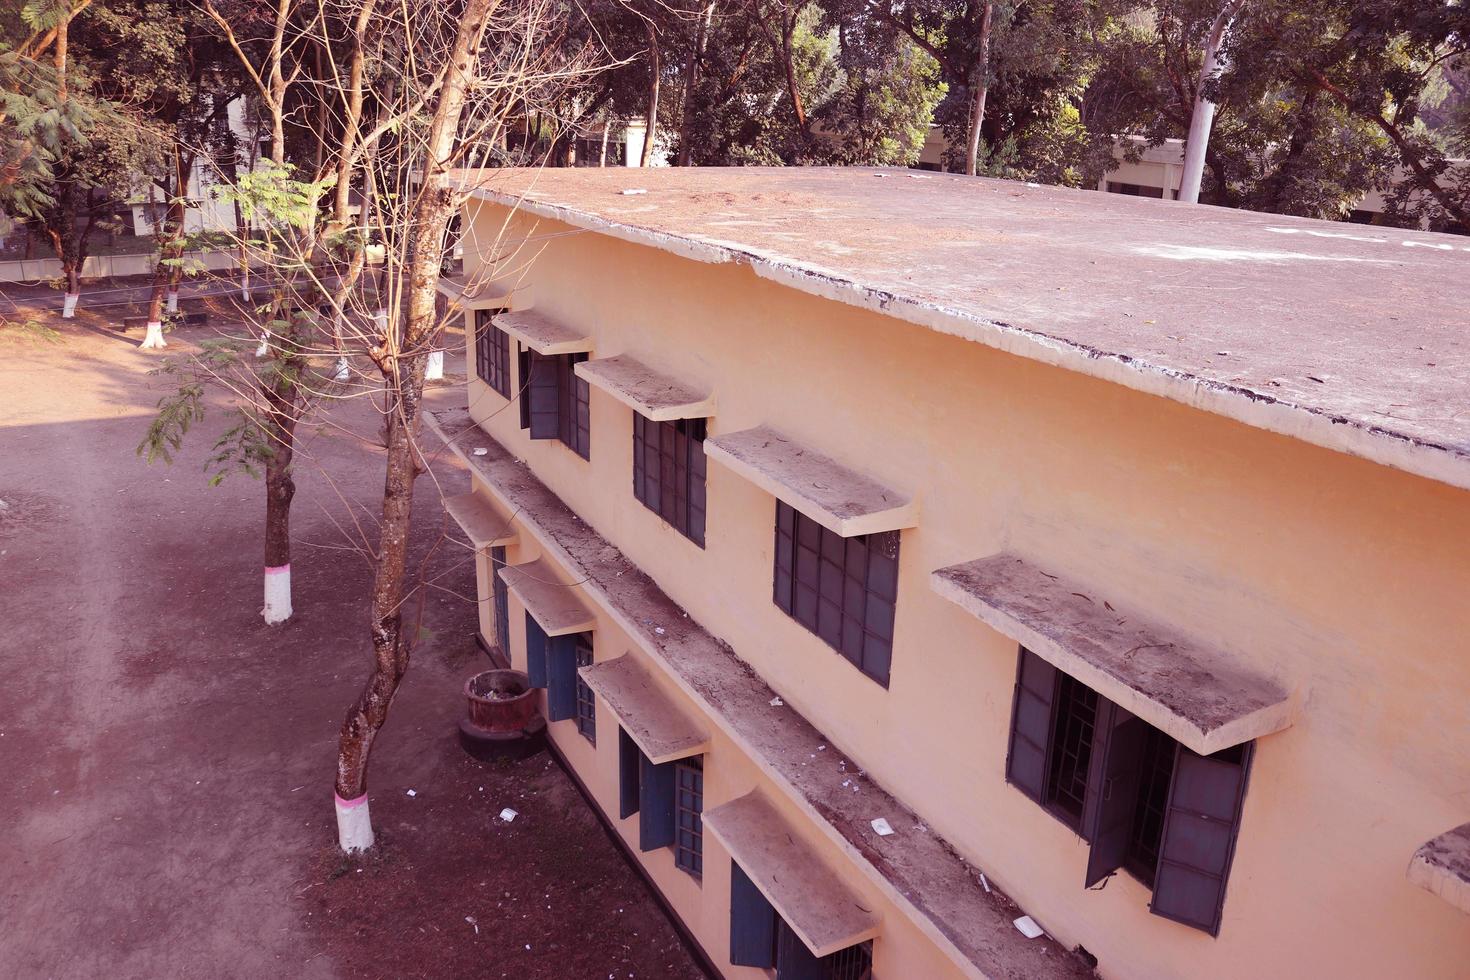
(1157, 171)
(208, 211)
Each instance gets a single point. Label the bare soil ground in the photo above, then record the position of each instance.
(166, 760)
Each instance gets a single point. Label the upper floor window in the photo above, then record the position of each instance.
(555, 402)
(668, 472)
(1144, 802)
(492, 353)
(842, 589)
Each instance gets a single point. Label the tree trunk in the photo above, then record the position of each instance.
(403, 361)
(691, 78)
(280, 430)
(602, 159)
(654, 71)
(980, 87)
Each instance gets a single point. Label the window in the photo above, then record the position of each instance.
(551, 662)
(668, 472)
(586, 704)
(492, 352)
(842, 589)
(669, 800)
(1134, 190)
(689, 805)
(760, 938)
(1144, 802)
(501, 595)
(554, 402)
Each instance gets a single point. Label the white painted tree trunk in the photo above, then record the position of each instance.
(382, 320)
(277, 607)
(69, 305)
(265, 345)
(344, 370)
(1203, 118)
(153, 338)
(434, 366)
(354, 825)
(173, 301)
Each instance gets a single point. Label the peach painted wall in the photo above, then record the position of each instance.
(703, 904)
(1345, 579)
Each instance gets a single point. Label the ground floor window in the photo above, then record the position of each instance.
(759, 937)
(501, 602)
(689, 807)
(586, 704)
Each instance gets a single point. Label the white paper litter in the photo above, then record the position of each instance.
(984, 881)
(881, 827)
(508, 814)
(482, 451)
(1027, 927)
(412, 793)
(776, 702)
(627, 192)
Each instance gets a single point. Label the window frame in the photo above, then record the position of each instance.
(492, 352)
(1116, 788)
(674, 486)
(844, 590)
(555, 402)
(688, 815)
(586, 703)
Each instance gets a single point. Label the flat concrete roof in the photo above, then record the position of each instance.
(659, 727)
(1347, 336)
(1179, 684)
(811, 897)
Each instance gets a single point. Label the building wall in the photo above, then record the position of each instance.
(1344, 579)
(702, 903)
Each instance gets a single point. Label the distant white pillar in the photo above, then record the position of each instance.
(633, 136)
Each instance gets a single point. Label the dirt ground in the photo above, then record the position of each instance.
(167, 759)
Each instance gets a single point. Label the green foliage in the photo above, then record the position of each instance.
(177, 413)
(273, 197)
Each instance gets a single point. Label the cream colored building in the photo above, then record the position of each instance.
(906, 554)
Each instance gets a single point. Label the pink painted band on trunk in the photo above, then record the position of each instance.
(278, 569)
(349, 804)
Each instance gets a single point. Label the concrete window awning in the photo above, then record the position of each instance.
(1178, 684)
(1442, 866)
(840, 499)
(655, 396)
(663, 731)
(486, 525)
(811, 898)
(487, 295)
(554, 606)
(544, 335)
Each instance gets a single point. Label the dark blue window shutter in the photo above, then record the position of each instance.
(628, 764)
(561, 677)
(1112, 788)
(535, 652)
(793, 960)
(523, 378)
(655, 804)
(1200, 828)
(1031, 721)
(752, 923)
(543, 396)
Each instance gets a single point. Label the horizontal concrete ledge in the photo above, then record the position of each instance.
(917, 870)
(809, 896)
(554, 606)
(476, 295)
(1442, 866)
(660, 728)
(544, 335)
(486, 525)
(655, 396)
(1179, 685)
(840, 499)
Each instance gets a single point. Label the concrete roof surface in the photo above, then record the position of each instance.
(1348, 336)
